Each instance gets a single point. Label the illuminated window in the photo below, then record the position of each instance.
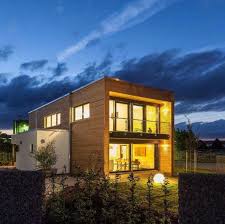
(125, 157)
(133, 117)
(152, 116)
(48, 122)
(81, 112)
(119, 157)
(137, 118)
(143, 156)
(78, 113)
(58, 118)
(121, 117)
(118, 116)
(86, 109)
(52, 120)
(111, 115)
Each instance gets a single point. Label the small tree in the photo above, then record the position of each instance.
(46, 156)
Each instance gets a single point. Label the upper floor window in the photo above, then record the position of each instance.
(134, 117)
(52, 120)
(81, 112)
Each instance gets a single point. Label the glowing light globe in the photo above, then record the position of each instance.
(159, 178)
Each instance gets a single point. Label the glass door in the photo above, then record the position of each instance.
(119, 157)
(152, 119)
(121, 116)
(143, 156)
(138, 118)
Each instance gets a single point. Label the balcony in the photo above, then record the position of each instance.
(141, 129)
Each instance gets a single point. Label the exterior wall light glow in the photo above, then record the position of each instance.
(159, 178)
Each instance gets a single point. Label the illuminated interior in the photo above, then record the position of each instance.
(142, 118)
(81, 112)
(138, 118)
(119, 157)
(152, 118)
(124, 157)
(118, 115)
(143, 156)
(52, 120)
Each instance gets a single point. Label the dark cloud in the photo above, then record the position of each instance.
(59, 70)
(6, 52)
(198, 80)
(34, 65)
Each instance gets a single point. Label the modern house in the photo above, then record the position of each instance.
(117, 125)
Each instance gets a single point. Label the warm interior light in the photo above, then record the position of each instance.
(159, 178)
(165, 146)
(165, 110)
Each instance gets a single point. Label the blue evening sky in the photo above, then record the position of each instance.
(47, 29)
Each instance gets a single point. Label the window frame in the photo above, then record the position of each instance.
(130, 156)
(82, 117)
(57, 120)
(130, 113)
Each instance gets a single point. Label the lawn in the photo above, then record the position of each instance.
(157, 193)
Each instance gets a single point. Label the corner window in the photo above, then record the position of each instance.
(52, 120)
(81, 112)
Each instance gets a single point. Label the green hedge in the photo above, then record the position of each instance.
(201, 198)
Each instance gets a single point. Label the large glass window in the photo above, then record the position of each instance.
(124, 116)
(119, 157)
(143, 156)
(52, 120)
(152, 117)
(121, 117)
(137, 118)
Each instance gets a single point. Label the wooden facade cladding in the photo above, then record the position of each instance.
(36, 118)
(90, 137)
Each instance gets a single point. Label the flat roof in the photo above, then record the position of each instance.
(88, 84)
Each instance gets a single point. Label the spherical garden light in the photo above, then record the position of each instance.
(159, 178)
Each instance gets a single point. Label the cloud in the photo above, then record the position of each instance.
(59, 70)
(6, 52)
(24, 93)
(198, 80)
(133, 14)
(4, 77)
(34, 65)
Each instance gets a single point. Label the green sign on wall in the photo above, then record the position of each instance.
(20, 126)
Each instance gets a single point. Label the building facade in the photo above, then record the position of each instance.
(114, 125)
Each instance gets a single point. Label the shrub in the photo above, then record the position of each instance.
(96, 199)
(46, 156)
(201, 198)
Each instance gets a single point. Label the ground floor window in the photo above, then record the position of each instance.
(126, 157)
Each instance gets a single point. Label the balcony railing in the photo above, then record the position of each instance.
(141, 126)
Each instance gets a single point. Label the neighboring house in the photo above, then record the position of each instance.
(117, 125)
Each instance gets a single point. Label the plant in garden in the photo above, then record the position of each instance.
(46, 156)
(149, 198)
(133, 205)
(166, 204)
